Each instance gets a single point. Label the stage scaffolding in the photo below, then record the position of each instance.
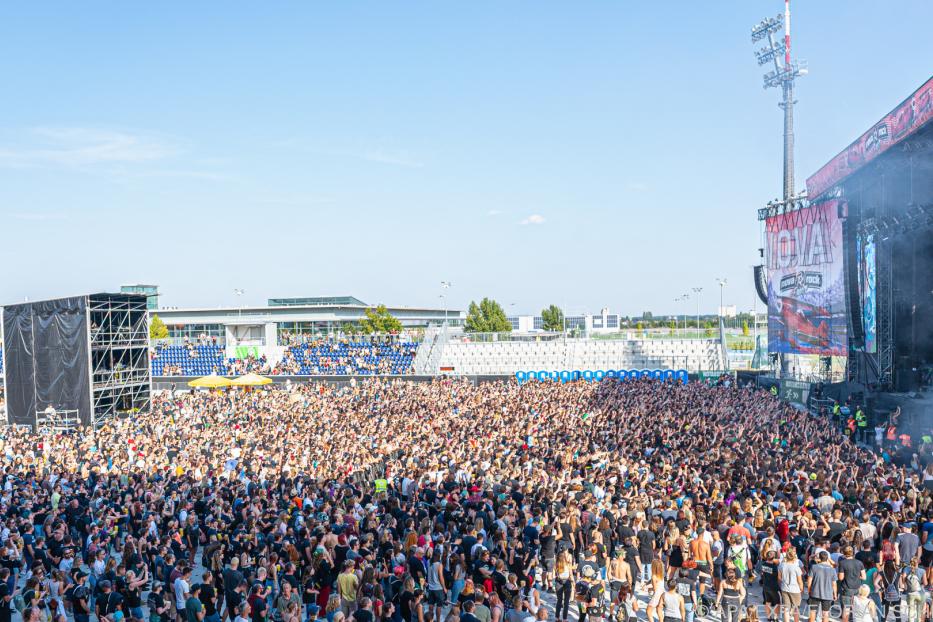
(119, 355)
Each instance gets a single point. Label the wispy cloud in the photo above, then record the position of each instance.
(494, 212)
(79, 147)
(636, 186)
(395, 158)
(534, 219)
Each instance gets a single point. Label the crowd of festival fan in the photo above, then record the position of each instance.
(497, 502)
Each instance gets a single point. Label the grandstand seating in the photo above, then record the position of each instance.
(344, 358)
(193, 360)
(582, 354)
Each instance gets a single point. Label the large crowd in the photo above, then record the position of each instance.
(498, 502)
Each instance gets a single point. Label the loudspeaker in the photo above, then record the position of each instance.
(852, 259)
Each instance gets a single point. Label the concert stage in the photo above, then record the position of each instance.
(881, 187)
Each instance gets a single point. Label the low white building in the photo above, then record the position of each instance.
(604, 322)
(285, 320)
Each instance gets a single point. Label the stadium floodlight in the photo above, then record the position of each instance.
(782, 74)
(697, 290)
(768, 53)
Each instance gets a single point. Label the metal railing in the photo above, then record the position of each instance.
(180, 341)
(630, 334)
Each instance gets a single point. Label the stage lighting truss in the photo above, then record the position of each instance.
(778, 207)
(914, 218)
(767, 27)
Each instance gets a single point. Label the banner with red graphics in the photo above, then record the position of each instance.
(806, 284)
(896, 126)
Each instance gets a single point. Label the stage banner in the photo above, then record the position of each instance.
(806, 287)
(900, 123)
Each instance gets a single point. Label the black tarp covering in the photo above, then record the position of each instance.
(47, 357)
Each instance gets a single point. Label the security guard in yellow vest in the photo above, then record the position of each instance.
(861, 422)
(382, 486)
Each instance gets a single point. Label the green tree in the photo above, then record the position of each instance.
(157, 328)
(379, 320)
(552, 318)
(486, 317)
(647, 315)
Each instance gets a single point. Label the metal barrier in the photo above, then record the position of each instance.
(51, 421)
(817, 404)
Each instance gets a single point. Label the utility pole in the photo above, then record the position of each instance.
(697, 290)
(445, 285)
(783, 75)
(722, 311)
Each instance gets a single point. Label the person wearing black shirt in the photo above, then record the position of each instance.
(407, 599)
(468, 615)
(771, 585)
(6, 596)
(364, 612)
(851, 576)
(80, 598)
(109, 601)
(867, 555)
(548, 556)
(133, 595)
(208, 598)
(646, 546)
(232, 580)
(234, 599)
(156, 603)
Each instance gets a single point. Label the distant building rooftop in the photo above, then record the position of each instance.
(316, 301)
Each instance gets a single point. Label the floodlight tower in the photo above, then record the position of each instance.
(784, 73)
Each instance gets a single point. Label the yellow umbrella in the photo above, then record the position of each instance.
(251, 380)
(210, 382)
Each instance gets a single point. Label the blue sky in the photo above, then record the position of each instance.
(587, 154)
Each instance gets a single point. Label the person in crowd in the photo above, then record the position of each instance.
(851, 577)
(822, 587)
(889, 583)
(672, 603)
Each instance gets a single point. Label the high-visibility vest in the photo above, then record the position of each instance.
(836, 410)
(774, 391)
(381, 486)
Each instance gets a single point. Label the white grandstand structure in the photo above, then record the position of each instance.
(465, 354)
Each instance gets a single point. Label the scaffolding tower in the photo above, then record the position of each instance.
(119, 355)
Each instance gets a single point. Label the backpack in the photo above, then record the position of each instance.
(913, 583)
(889, 589)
